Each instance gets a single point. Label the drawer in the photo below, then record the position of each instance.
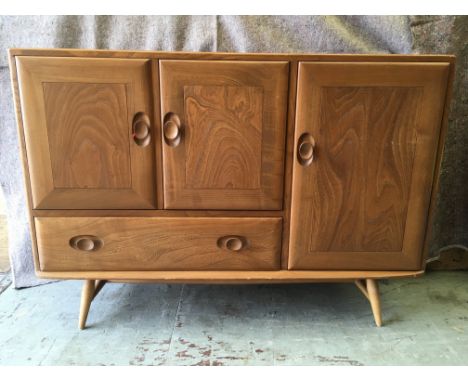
(158, 243)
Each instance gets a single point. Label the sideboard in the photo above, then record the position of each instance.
(177, 167)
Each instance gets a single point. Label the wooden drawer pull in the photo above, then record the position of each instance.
(305, 149)
(141, 128)
(232, 243)
(87, 243)
(172, 129)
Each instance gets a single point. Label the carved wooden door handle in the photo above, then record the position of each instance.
(86, 243)
(141, 128)
(305, 149)
(232, 243)
(172, 129)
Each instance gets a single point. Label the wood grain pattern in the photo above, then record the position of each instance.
(231, 155)
(374, 299)
(157, 132)
(87, 295)
(24, 157)
(88, 135)
(230, 277)
(227, 122)
(364, 205)
(348, 59)
(358, 206)
(360, 186)
(159, 244)
(289, 160)
(317, 57)
(439, 156)
(154, 213)
(78, 131)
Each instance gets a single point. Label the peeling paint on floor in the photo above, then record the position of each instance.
(426, 323)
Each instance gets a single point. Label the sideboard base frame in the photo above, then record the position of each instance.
(367, 282)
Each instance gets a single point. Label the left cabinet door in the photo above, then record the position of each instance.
(88, 132)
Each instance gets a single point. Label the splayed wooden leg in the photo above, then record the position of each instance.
(98, 286)
(87, 295)
(374, 298)
(362, 287)
(371, 291)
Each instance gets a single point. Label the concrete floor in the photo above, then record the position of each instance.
(4, 260)
(317, 324)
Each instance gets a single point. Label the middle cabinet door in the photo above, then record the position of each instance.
(224, 125)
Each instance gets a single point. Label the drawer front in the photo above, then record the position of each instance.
(147, 243)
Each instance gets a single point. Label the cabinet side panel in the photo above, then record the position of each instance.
(24, 157)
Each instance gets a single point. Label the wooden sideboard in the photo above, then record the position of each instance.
(230, 168)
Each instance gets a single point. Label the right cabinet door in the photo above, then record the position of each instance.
(365, 148)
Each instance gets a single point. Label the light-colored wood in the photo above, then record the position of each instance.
(87, 295)
(141, 129)
(87, 134)
(374, 299)
(230, 151)
(101, 53)
(159, 244)
(292, 58)
(372, 140)
(98, 285)
(370, 290)
(289, 148)
(78, 117)
(158, 158)
(154, 213)
(91, 289)
(24, 158)
(362, 203)
(362, 287)
(230, 277)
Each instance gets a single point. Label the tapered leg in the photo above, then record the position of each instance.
(87, 295)
(370, 290)
(374, 299)
(362, 287)
(98, 286)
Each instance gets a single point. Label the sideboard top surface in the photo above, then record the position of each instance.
(229, 55)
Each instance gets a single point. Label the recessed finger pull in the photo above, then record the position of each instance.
(232, 243)
(172, 129)
(305, 149)
(86, 243)
(141, 128)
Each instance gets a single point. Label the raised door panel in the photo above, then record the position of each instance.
(88, 132)
(366, 140)
(224, 134)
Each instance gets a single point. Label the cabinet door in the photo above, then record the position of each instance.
(88, 132)
(366, 141)
(224, 131)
